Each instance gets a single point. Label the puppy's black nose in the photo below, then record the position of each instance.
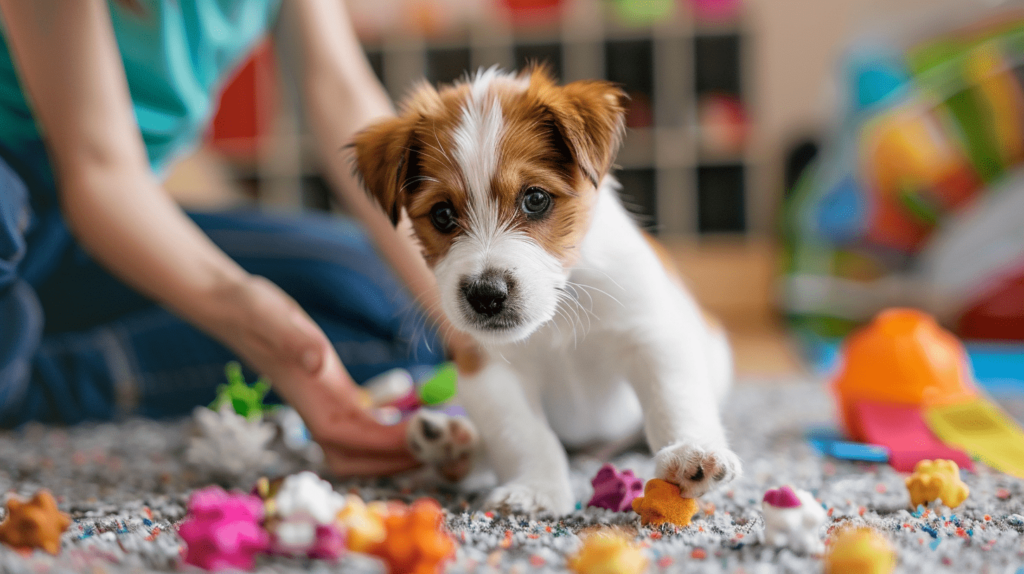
(487, 294)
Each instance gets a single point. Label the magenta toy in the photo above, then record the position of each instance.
(615, 490)
(222, 530)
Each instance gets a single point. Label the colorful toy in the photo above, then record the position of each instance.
(295, 435)
(37, 523)
(389, 387)
(228, 446)
(662, 503)
(244, 399)
(860, 551)
(906, 384)
(441, 386)
(364, 524)
(415, 541)
(936, 479)
(222, 530)
(302, 517)
(615, 490)
(608, 552)
(792, 518)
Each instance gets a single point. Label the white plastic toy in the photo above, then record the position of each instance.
(303, 503)
(792, 518)
(228, 445)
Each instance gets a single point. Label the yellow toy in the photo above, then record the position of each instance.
(662, 503)
(860, 551)
(937, 479)
(364, 524)
(608, 553)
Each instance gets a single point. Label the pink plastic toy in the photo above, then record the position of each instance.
(223, 530)
(615, 490)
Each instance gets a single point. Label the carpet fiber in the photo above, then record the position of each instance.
(126, 485)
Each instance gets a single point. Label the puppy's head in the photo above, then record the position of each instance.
(498, 175)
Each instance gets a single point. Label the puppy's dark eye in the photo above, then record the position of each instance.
(536, 202)
(442, 215)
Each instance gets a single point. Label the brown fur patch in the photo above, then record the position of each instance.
(560, 139)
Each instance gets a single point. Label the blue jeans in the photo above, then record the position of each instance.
(77, 344)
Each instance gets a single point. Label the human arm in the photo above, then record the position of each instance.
(69, 64)
(341, 95)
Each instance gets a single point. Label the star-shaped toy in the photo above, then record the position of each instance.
(662, 503)
(34, 524)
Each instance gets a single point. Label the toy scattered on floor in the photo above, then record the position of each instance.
(792, 518)
(302, 517)
(363, 523)
(229, 446)
(615, 490)
(388, 387)
(222, 530)
(295, 435)
(608, 552)
(860, 551)
(829, 442)
(244, 399)
(415, 540)
(906, 383)
(891, 370)
(662, 503)
(441, 386)
(936, 479)
(37, 523)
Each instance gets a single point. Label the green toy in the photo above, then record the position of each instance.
(245, 399)
(440, 387)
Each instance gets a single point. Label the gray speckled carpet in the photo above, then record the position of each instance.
(126, 485)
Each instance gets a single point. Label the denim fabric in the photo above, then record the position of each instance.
(103, 350)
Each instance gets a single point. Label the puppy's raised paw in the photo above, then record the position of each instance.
(533, 499)
(444, 442)
(696, 469)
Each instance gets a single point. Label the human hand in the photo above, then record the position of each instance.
(281, 342)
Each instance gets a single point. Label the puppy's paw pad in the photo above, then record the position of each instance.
(444, 442)
(530, 499)
(697, 469)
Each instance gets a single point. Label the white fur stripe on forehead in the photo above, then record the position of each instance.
(479, 132)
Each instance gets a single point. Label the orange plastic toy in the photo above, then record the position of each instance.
(859, 551)
(415, 542)
(662, 503)
(902, 357)
(34, 524)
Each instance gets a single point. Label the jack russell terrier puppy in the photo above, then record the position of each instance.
(588, 332)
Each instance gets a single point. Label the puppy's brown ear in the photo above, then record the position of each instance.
(386, 160)
(590, 116)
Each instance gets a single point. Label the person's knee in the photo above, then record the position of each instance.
(15, 217)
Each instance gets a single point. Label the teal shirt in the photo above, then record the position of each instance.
(176, 54)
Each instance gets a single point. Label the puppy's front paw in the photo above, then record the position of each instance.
(444, 442)
(532, 498)
(696, 469)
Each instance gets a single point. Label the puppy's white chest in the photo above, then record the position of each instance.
(581, 383)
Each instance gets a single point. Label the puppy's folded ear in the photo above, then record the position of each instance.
(590, 117)
(385, 160)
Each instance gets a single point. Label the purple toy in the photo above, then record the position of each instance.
(615, 490)
(329, 545)
(222, 530)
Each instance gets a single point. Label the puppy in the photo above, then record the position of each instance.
(589, 336)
